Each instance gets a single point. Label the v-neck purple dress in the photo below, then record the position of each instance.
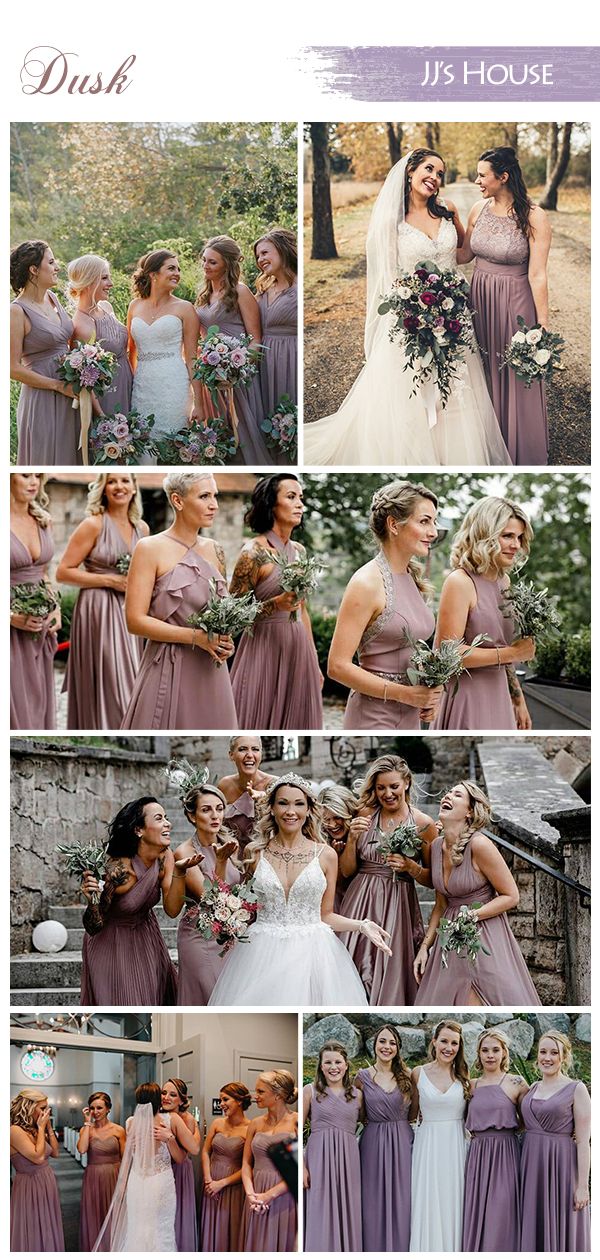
(97, 1188)
(492, 1212)
(35, 1215)
(248, 402)
(32, 705)
(549, 1175)
(482, 700)
(127, 962)
(332, 1203)
(47, 422)
(385, 1160)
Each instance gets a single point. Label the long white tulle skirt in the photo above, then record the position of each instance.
(289, 967)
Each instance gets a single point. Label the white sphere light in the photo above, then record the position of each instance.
(50, 937)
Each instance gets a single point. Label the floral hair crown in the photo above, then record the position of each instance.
(183, 777)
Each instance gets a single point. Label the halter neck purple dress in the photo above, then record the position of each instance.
(549, 1175)
(500, 977)
(248, 401)
(104, 658)
(275, 674)
(492, 1212)
(274, 1230)
(48, 424)
(332, 1204)
(32, 705)
(222, 1217)
(35, 1217)
(199, 961)
(114, 337)
(240, 817)
(385, 1160)
(127, 962)
(179, 687)
(500, 291)
(385, 650)
(391, 902)
(186, 1212)
(97, 1187)
(482, 700)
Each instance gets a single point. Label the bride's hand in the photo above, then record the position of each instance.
(376, 934)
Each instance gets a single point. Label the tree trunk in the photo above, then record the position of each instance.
(511, 135)
(432, 135)
(323, 240)
(549, 200)
(394, 139)
(552, 149)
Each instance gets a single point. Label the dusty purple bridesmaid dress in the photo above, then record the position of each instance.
(239, 817)
(248, 401)
(97, 1187)
(35, 1218)
(385, 1161)
(104, 658)
(391, 902)
(332, 1204)
(500, 977)
(279, 366)
(276, 1229)
(275, 674)
(186, 1212)
(48, 424)
(127, 962)
(492, 1211)
(549, 1175)
(199, 961)
(32, 705)
(482, 700)
(385, 650)
(222, 1217)
(178, 687)
(500, 291)
(114, 337)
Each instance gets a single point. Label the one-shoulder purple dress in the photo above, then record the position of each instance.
(199, 961)
(186, 1212)
(482, 700)
(276, 1229)
(500, 977)
(385, 1161)
(549, 1175)
(178, 687)
(275, 674)
(32, 705)
(127, 962)
(104, 658)
(35, 1217)
(114, 337)
(97, 1187)
(47, 422)
(332, 1204)
(248, 401)
(222, 1217)
(492, 1212)
(240, 817)
(391, 902)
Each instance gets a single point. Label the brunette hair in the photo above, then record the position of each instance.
(181, 1088)
(504, 161)
(388, 764)
(434, 207)
(22, 258)
(239, 1092)
(101, 1094)
(286, 244)
(400, 1069)
(232, 257)
(97, 501)
(335, 1047)
(399, 499)
(148, 265)
(458, 1069)
(122, 840)
(149, 1093)
(260, 515)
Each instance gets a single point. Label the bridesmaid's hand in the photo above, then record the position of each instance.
(89, 885)
(85, 1111)
(358, 826)
(43, 1119)
(194, 417)
(422, 697)
(212, 1188)
(220, 647)
(117, 581)
(420, 963)
(61, 387)
(22, 621)
(581, 1198)
(376, 934)
(397, 862)
(522, 716)
(523, 649)
(185, 864)
(226, 850)
(306, 1178)
(287, 601)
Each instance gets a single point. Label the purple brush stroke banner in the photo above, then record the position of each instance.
(458, 73)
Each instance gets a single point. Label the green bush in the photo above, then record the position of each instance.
(15, 390)
(323, 625)
(578, 658)
(550, 657)
(67, 604)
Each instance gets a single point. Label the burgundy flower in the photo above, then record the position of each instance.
(422, 273)
(428, 298)
(453, 325)
(411, 323)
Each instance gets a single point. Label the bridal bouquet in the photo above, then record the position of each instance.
(124, 438)
(225, 361)
(434, 324)
(532, 610)
(225, 912)
(403, 840)
(198, 444)
(462, 935)
(33, 599)
(226, 614)
(83, 857)
(435, 667)
(88, 366)
(123, 563)
(300, 576)
(280, 428)
(533, 353)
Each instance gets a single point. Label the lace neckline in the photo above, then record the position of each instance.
(313, 859)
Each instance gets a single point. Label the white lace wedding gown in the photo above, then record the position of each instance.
(438, 1168)
(292, 958)
(161, 385)
(380, 424)
(151, 1205)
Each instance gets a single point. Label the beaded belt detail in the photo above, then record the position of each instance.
(147, 355)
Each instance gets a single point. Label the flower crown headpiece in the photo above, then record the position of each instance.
(183, 776)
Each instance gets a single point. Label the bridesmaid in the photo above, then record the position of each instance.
(386, 1145)
(269, 1216)
(468, 870)
(95, 320)
(32, 639)
(222, 1154)
(339, 817)
(382, 609)
(509, 238)
(178, 688)
(174, 1101)
(40, 332)
(492, 1214)
(332, 1203)
(35, 1219)
(555, 1161)
(103, 1142)
(228, 303)
(275, 677)
(383, 889)
(244, 789)
(276, 256)
(104, 659)
(441, 1094)
(494, 536)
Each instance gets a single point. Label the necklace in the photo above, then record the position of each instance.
(289, 856)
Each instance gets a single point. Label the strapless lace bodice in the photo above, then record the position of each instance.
(414, 246)
(160, 340)
(161, 385)
(303, 905)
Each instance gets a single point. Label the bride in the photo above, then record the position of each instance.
(293, 956)
(163, 343)
(379, 423)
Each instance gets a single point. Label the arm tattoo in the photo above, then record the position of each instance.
(244, 574)
(94, 916)
(514, 688)
(220, 554)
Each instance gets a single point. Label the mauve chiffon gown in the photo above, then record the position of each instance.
(385, 650)
(35, 1217)
(498, 978)
(47, 422)
(492, 1212)
(104, 658)
(500, 291)
(279, 364)
(482, 699)
(97, 1187)
(179, 687)
(127, 962)
(391, 902)
(199, 961)
(276, 1229)
(549, 1175)
(275, 673)
(186, 1212)
(222, 1217)
(114, 337)
(332, 1204)
(385, 1161)
(248, 401)
(239, 817)
(32, 705)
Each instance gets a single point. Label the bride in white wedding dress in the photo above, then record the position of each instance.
(163, 344)
(440, 1145)
(379, 423)
(293, 956)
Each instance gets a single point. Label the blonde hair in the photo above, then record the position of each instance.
(399, 500)
(85, 271)
(282, 1083)
(339, 800)
(480, 818)
(266, 828)
(22, 1108)
(190, 805)
(231, 254)
(564, 1045)
(476, 545)
(499, 1036)
(458, 1069)
(388, 764)
(234, 739)
(37, 508)
(181, 482)
(97, 501)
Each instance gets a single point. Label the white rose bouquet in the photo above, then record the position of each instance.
(225, 912)
(533, 353)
